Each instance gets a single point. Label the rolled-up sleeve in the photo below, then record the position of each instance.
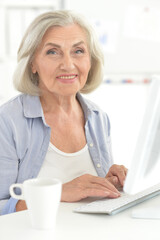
(8, 206)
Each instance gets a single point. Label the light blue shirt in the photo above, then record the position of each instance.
(25, 139)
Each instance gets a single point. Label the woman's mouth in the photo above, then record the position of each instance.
(69, 78)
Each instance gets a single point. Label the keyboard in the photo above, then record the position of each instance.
(113, 206)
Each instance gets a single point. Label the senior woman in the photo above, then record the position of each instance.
(51, 130)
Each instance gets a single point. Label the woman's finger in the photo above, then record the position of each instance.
(104, 182)
(113, 179)
(94, 192)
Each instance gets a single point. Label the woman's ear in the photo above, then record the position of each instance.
(33, 68)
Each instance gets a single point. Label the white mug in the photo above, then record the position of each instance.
(42, 196)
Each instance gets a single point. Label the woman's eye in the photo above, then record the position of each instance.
(51, 52)
(79, 51)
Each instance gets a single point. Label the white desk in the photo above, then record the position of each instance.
(75, 226)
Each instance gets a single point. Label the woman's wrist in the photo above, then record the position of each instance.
(21, 205)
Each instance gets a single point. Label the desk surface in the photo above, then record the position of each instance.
(75, 226)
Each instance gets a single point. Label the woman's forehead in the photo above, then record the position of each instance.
(70, 32)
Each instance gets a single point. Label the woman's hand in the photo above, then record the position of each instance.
(117, 175)
(88, 186)
(21, 205)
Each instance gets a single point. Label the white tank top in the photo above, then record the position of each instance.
(66, 166)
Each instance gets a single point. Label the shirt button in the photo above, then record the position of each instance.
(91, 144)
(98, 165)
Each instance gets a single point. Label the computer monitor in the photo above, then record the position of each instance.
(144, 171)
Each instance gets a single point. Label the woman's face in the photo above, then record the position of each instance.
(62, 60)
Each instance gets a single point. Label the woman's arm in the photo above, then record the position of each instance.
(8, 166)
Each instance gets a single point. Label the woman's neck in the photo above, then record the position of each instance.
(55, 103)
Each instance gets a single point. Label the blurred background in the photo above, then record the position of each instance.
(129, 33)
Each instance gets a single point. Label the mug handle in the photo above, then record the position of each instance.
(11, 189)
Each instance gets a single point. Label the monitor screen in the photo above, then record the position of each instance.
(144, 171)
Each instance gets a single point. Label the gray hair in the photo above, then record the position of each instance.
(27, 82)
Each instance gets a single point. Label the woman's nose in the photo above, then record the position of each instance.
(67, 63)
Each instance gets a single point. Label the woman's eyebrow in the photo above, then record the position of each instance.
(78, 43)
(52, 44)
(58, 46)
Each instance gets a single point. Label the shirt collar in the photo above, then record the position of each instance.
(32, 106)
(33, 109)
(87, 106)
